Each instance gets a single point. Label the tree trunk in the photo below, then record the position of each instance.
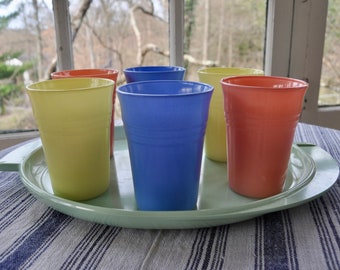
(205, 41)
(220, 32)
(230, 36)
(39, 38)
(189, 19)
(92, 54)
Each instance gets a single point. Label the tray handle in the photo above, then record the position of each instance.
(13, 160)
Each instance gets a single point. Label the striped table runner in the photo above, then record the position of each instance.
(33, 236)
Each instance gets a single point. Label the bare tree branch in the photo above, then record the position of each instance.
(39, 38)
(137, 34)
(77, 20)
(151, 12)
(190, 59)
(140, 52)
(102, 43)
(152, 48)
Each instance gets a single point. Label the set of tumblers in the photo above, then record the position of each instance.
(238, 115)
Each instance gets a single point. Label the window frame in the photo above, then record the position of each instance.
(295, 36)
(13, 138)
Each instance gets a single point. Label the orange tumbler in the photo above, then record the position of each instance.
(261, 115)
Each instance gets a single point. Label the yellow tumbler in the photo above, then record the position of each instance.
(73, 116)
(215, 138)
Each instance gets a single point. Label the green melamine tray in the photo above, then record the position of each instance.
(312, 171)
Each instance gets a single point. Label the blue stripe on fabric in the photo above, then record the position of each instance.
(223, 246)
(220, 248)
(317, 208)
(12, 199)
(31, 244)
(47, 243)
(17, 210)
(334, 200)
(208, 250)
(22, 238)
(328, 139)
(303, 132)
(274, 245)
(196, 250)
(290, 242)
(99, 248)
(200, 249)
(333, 142)
(213, 254)
(81, 247)
(11, 183)
(88, 253)
(258, 243)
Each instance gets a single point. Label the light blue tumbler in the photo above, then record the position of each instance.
(148, 73)
(165, 123)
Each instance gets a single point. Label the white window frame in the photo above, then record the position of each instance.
(294, 48)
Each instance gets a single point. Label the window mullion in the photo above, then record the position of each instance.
(62, 24)
(278, 37)
(308, 36)
(176, 32)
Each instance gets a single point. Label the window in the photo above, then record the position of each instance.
(286, 38)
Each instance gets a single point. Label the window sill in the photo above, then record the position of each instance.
(10, 139)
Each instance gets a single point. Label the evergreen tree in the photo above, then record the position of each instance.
(4, 20)
(8, 73)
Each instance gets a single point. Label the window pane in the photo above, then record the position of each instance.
(226, 33)
(113, 34)
(330, 77)
(119, 34)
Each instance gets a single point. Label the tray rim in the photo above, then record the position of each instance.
(326, 174)
(179, 219)
(253, 203)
